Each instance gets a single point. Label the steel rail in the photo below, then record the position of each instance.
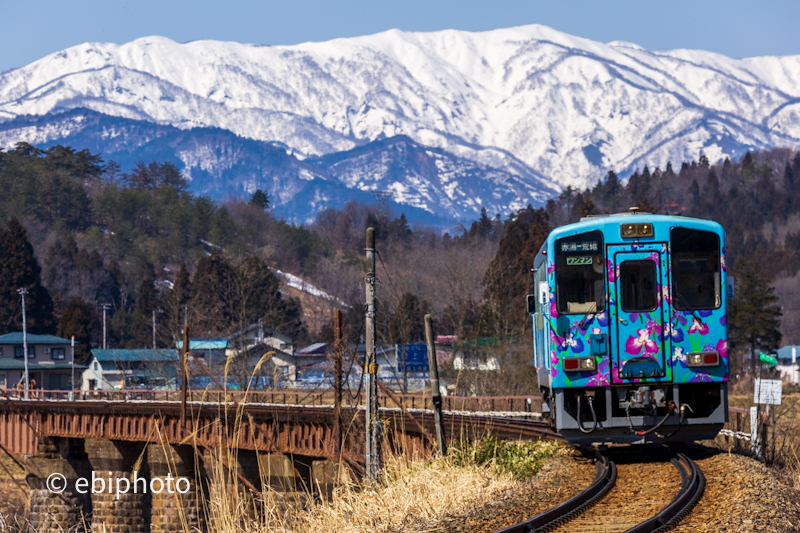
(692, 487)
(693, 483)
(604, 480)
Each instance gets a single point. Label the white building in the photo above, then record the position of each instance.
(787, 364)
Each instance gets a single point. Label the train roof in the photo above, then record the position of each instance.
(609, 223)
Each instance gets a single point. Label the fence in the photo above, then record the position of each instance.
(514, 404)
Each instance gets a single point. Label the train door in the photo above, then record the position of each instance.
(639, 313)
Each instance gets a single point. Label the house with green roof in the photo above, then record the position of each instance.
(132, 369)
(50, 362)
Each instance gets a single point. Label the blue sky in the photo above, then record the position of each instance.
(739, 28)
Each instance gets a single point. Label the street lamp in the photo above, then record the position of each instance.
(22, 292)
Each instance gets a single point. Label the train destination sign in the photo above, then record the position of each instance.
(584, 246)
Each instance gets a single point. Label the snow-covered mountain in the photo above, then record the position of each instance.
(530, 103)
(429, 184)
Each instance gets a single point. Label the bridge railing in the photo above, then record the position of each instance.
(520, 404)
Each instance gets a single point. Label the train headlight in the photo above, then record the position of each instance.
(630, 231)
(579, 364)
(702, 359)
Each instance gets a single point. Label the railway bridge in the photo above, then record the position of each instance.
(285, 441)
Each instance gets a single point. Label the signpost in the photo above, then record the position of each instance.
(416, 357)
(766, 392)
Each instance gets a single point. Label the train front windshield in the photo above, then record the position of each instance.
(695, 269)
(580, 274)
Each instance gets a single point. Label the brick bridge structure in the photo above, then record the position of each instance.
(157, 439)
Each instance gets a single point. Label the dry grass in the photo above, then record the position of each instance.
(784, 437)
(411, 491)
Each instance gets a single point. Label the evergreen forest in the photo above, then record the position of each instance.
(80, 236)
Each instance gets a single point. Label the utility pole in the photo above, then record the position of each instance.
(371, 366)
(22, 292)
(435, 392)
(154, 326)
(72, 382)
(338, 348)
(104, 307)
(185, 376)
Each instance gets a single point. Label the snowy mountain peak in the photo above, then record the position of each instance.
(531, 102)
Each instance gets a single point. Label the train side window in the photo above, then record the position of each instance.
(695, 269)
(580, 274)
(638, 285)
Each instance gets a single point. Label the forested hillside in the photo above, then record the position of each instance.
(86, 235)
(757, 200)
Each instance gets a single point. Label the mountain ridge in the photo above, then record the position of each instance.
(531, 102)
(423, 182)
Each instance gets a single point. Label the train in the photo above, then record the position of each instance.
(630, 331)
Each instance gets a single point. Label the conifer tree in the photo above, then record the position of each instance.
(755, 314)
(20, 269)
(147, 302)
(588, 208)
(260, 199)
(80, 320)
(508, 278)
(216, 295)
(172, 177)
(259, 294)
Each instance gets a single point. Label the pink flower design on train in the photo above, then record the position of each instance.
(698, 326)
(722, 349)
(654, 327)
(553, 363)
(612, 274)
(635, 344)
(601, 378)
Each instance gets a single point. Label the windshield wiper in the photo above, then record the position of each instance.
(688, 307)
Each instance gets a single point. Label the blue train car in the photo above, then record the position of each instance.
(630, 328)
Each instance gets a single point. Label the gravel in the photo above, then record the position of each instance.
(741, 495)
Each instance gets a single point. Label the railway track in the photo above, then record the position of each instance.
(628, 498)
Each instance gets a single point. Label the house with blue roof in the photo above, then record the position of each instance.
(211, 351)
(132, 369)
(788, 363)
(240, 354)
(50, 362)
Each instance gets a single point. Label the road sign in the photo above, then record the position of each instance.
(416, 357)
(768, 391)
(770, 360)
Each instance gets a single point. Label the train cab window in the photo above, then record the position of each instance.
(695, 269)
(638, 286)
(580, 274)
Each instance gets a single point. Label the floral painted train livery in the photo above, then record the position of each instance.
(630, 329)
